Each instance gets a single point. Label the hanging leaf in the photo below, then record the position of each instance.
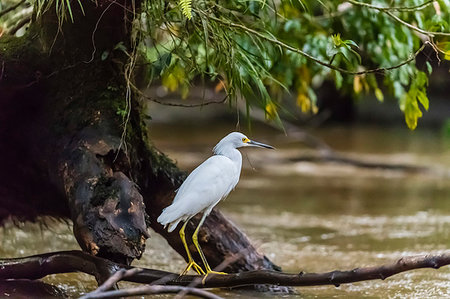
(412, 110)
(410, 101)
(271, 110)
(447, 55)
(303, 102)
(186, 8)
(357, 84)
(379, 94)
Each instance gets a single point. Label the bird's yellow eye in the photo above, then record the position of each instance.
(245, 140)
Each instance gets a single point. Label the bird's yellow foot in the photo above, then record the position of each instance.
(212, 272)
(195, 267)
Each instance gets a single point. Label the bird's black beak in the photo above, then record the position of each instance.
(258, 144)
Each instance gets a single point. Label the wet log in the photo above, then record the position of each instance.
(65, 152)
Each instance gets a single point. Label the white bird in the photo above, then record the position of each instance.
(208, 184)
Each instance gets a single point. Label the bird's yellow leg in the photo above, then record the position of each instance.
(191, 263)
(205, 262)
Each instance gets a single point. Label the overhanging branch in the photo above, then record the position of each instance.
(276, 41)
(388, 11)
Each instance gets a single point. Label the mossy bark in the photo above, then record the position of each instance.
(61, 90)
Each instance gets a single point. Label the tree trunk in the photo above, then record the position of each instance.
(62, 91)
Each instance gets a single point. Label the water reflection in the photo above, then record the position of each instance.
(317, 216)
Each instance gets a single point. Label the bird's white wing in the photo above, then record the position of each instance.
(209, 182)
(203, 188)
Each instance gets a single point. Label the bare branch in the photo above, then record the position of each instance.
(151, 290)
(391, 8)
(184, 105)
(38, 266)
(161, 102)
(115, 278)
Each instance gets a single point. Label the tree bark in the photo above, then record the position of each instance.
(62, 87)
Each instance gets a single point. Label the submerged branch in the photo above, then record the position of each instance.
(38, 266)
(152, 290)
(105, 290)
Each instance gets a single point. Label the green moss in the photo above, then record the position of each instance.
(103, 190)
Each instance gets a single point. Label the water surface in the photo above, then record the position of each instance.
(305, 216)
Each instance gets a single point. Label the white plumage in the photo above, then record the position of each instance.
(209, 183)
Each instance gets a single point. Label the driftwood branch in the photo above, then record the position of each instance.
(151, 290)
(103, 290)
(38, 266)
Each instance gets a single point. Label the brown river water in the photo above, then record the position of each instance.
(306, 216)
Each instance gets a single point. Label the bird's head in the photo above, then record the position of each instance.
(237, 140)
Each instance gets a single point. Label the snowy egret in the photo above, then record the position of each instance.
(209, 183)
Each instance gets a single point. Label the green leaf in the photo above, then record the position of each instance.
(332, 50)
(356, 54)
(412, 110)
(447, 55)
(69, 9)
(410, 101)
(350, 42)
(423, 99)
(379, 94)
(254, 7)
(338, 79)
(105, 55)
(336, 38)
(121, 47)
(429, 68)
(421, 80)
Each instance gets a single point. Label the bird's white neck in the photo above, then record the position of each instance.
(230, 152)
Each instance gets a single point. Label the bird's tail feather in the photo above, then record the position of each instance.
(170, 217)
(173, 225)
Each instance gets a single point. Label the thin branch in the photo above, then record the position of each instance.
(388, 11)
(185, 105)
(296, 50)
(397, 8)
(151, 290)
(103, 291)
(115, 278)
(5, 11)
(162, 102)
(95, 30)
(38, 266)
(415, 28)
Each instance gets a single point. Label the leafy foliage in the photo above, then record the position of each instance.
(260, 50)
(415, 95)
(218, 43)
